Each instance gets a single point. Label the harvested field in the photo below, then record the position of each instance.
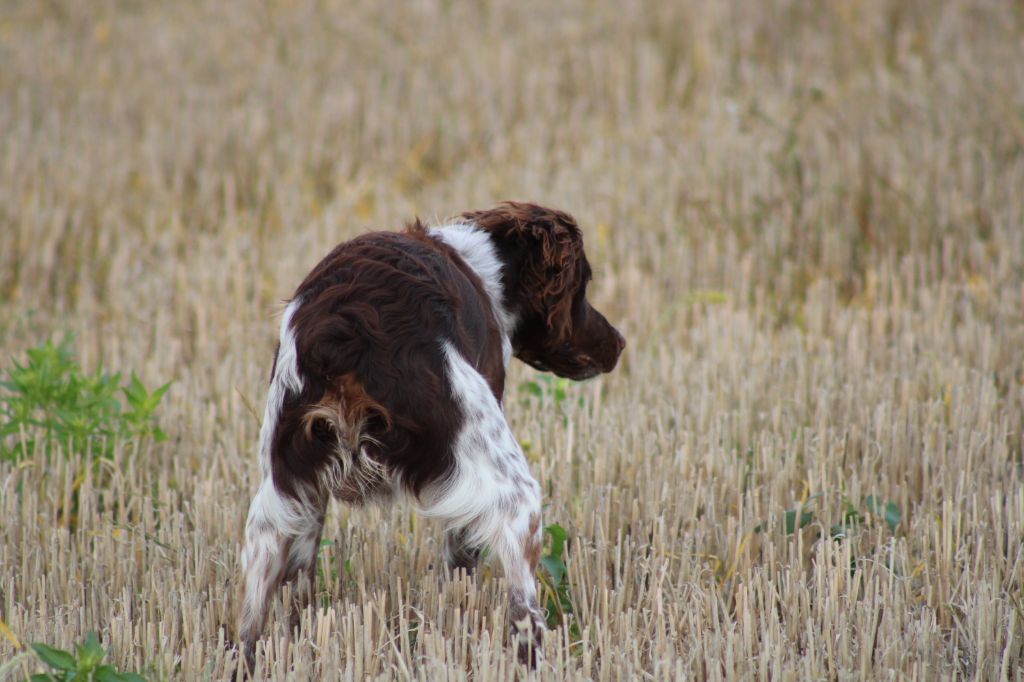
(806, 217)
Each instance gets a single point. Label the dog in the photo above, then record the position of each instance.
(388, 378)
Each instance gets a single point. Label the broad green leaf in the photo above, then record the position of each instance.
(157, 395)
(892, 516)
(107, 673)
(888, 512)
(90, 652)
(555, 567)
(531, 387)
(805, 518)
(57, 659)
(558, 538)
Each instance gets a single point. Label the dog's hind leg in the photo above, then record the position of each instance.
(286, 517)
(282, 535)
(300, 569)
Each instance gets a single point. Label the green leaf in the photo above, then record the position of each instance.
(158, 395)
(42, 677)
(58, 659)
(852, 518)
(107, 673)
(558, 537)
(805, 518)
(135, 388)
(531, 387)
(558, 597)
(556, 593)
(555, 567)
(90, 652)
(888, 512)
(892, 515)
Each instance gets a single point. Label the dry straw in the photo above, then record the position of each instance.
(807, 218)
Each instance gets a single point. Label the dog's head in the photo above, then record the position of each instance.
(544, 277)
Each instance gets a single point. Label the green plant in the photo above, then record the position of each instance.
(326, 573)
(853, 518)
(83, 665)
(547, 391)
(328, 561)
(888, 512)
(554, 579)
(49, 403)
(546, 387)
(792, 520)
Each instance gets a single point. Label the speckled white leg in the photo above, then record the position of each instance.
(492, 499)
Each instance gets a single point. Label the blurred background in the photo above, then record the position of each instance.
(807, 217)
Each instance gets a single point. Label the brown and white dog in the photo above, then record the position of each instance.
(389, 378)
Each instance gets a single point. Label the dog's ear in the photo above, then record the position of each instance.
(553, 276)
(544, 247)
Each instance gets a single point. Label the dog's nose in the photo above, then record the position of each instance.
(620, 340)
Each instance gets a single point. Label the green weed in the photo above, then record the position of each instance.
(546, 389)
(49, 404)
(853, 518)
(554, 580)
(546, 392)
(84, 664)
(794, 519)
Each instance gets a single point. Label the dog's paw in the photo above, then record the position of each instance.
(527, 634)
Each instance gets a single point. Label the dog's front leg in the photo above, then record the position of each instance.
(459, 551)
(492, 499)
(511, 530)
(519, 554)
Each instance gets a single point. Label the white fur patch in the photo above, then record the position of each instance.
(286, 377)
(269, 507)
(491, 493)
(476, 248)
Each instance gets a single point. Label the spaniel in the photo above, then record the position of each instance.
(389, 378)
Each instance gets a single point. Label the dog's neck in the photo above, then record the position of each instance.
(477, 249)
